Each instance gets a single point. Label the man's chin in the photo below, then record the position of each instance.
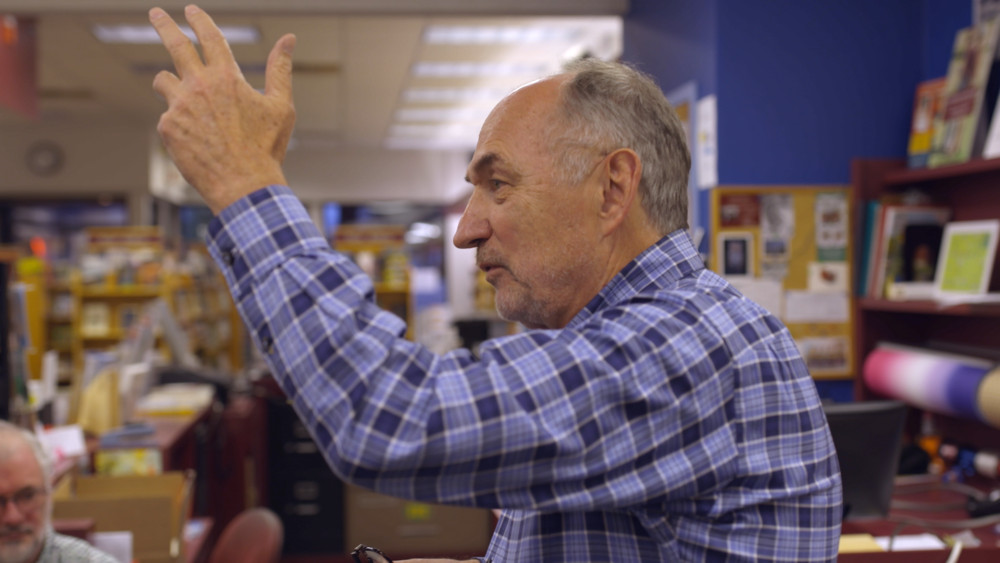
(517, 311)
(19, 551)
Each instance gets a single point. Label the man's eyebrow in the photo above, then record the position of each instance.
(483, 162)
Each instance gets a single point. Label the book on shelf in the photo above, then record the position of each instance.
(968, 251)
(127, 313)
(873, 212)
(927, 106)
(921, 245)
(971, 86)
(95, 319)
(891, 262)
(62, 306)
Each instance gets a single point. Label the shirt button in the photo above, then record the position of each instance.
(227, 257)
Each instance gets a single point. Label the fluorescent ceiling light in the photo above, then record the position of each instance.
(445, 136)
(235, 34)
(477, 115)
(425, 230)
(435, 130)
(466, 69)
(429, 144)
(440, 95)
(496, 34)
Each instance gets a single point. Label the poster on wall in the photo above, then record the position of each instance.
(706, 143)
(777, 226)
(831, 227)
(788, 248)
(736, 253)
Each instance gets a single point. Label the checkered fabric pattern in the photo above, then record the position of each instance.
(66, 549)
(672, 420)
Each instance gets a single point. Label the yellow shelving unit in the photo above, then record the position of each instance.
(380, 250)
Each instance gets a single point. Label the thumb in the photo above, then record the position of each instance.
(278, 75)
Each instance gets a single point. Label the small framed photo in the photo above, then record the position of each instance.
(965, 262)
(736, 253)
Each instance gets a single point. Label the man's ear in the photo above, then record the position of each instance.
(621, 189)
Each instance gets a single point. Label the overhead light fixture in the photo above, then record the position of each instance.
(450, 69)
(457, 130)
(451, 95)
(439, 136)
(475, 115)
(426, 231)
(141, 34)
(497, 34)
(429, 144)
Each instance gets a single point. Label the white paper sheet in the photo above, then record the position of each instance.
(914, 542)
(816, 307)
(763, 291)
(115, 544)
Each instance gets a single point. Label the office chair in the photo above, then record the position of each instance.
(868, 436)
(254, 536)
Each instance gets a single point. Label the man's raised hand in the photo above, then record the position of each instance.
(227, 139)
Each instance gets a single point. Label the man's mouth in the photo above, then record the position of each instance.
(491, 270)
(14, 536)
(489, 264)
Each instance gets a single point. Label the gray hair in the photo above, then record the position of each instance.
(10, 432)
(607, 106)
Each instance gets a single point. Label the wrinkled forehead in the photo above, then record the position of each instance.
(520, 125)
(19, 467)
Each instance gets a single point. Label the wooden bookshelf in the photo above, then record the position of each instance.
(972, 191)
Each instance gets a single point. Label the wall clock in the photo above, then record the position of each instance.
(44, 158)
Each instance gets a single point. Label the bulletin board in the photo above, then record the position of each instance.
(789, 249)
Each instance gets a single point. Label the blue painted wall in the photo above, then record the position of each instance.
(811, 85)
(675, 41)
(802, 87)
(941, 20)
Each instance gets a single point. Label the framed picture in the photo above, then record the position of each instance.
(736, 253)
(965, 261)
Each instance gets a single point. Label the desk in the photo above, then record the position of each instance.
(174, 436)
(987, 552)
(182, 442)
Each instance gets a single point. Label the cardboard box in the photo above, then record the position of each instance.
(403, 528)
(153, 507)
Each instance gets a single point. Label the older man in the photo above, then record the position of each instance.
(652, 413)
(26, 535)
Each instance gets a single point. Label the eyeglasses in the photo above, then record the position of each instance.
(26, 500)
(366, 554)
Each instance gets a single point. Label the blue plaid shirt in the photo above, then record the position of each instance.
(671, 420)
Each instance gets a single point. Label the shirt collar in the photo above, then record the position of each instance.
(670, 259)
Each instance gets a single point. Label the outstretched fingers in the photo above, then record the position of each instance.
(183, 53)
(213, 42)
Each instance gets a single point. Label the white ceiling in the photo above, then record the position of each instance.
(353, 65)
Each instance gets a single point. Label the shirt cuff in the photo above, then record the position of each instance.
(258, 232)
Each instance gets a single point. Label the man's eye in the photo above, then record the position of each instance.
(497, 184)
(25, 496)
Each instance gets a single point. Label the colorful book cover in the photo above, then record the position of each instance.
(890, 263)
(961, 131)
(873, 212)
(927, 106)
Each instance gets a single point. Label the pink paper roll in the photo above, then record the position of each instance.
(931, 380)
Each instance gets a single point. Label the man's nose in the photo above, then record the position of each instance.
(474, 226)
(11, 514)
